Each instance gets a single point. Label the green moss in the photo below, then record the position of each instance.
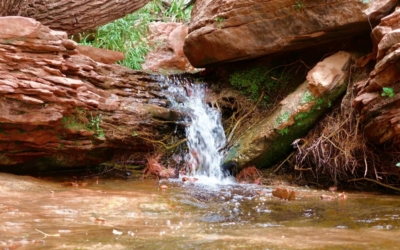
(252, 82)
(284, 117)
(73, 123)
(303, 122)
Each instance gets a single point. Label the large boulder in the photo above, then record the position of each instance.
(378, 98)
(232, 30)
(61, 108)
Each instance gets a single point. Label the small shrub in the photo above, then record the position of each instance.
(298, 5)
(94, 125)
(389, 92)
(219, 21)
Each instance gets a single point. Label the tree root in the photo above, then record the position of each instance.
(163, 144)
(244, 116)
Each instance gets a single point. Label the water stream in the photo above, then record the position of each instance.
(97, 213)
(204, 132)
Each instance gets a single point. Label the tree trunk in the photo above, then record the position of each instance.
(71, 16)
(61, 108)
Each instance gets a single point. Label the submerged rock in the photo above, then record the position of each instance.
(231, 30)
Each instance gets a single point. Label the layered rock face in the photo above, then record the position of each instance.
(378, 98)
(59, 107)
(232, 30)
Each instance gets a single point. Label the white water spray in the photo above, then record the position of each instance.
(205, 134)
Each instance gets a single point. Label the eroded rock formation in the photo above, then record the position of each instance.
(378, 98)
(232, 30)
(59, 107)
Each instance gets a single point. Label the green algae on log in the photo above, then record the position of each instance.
(269, 140)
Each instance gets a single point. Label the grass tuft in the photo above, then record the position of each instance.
(129, 34)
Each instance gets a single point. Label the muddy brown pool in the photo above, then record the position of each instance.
(137, 214)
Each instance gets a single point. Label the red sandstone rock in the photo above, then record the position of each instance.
(100, 55)
(380, 115)
(168, 39)
(232, 30)
(56, 104)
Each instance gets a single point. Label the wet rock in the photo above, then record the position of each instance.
(230, 30)
(284, 194)
(168, 39)
(327, 197)
(378, 97)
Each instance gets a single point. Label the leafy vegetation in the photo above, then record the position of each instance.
(386, 91)
(94, 125)
(78, 121)
(298, 5)
(128, 34)
(252, 82)
(219, 21)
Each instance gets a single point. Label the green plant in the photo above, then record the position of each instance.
(298, 5)
(253, 81)
(386, 91)
(94, 125)
(219, 21)
(128, 34)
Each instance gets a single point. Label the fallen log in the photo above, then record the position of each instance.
(270, 139)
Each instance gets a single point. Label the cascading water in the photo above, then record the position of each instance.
(205, 134)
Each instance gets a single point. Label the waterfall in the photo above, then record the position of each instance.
(204, 132)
